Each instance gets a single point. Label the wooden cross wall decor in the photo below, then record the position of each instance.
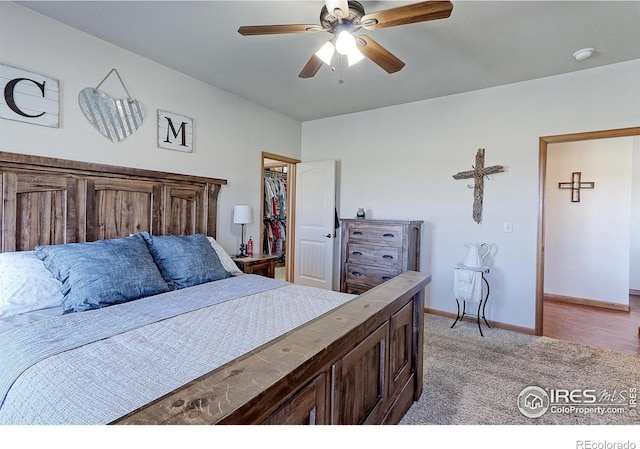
(576, 185)
(478, 174)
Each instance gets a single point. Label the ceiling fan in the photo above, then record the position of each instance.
(343, 19)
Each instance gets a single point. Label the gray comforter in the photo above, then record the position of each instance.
(93, 367)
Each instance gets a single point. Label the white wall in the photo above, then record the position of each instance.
(587, 243)
(398, 162)
(634, 263)
(229, 132)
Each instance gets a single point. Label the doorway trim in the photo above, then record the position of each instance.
(542, 175)
(291, 206)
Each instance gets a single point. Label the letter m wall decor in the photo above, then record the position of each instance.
(175, 132)
(29, 97)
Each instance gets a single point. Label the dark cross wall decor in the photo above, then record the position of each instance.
(576, 185)
(478, 174)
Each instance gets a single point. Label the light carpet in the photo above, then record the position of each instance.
(474, 380)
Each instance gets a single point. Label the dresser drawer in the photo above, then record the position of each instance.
(368, 275)
(379, 235)
(384, 257)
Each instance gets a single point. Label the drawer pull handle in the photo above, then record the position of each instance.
(357, 253)
(357, 232)
(386, 278)
(388, 234)
(387, 256)
(355, 273)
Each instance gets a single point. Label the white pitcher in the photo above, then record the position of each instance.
(476, 254)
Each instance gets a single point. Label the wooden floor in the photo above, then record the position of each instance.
(603, 328)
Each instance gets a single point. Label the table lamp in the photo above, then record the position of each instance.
(242, 216)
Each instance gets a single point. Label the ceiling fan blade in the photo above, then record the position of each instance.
(378, 54)
(312, 67)
(256, 30)
(402, 15)
(342, 5)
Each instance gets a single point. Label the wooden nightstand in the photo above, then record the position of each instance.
(262, 265)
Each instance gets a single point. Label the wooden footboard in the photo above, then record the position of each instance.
(358, 364)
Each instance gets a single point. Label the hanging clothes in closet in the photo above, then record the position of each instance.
(275, 213)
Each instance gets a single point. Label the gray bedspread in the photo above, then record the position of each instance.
(93, 367)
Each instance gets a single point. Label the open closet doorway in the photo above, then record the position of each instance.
(546, 213)
(278, 212)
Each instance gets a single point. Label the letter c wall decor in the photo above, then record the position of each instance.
(29, 97)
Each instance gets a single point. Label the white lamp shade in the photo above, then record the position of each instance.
(354, 57)
(241, 214)
(346, 45)
(326, 53)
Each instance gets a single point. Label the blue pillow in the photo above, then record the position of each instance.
(185, 260)
(102, 273)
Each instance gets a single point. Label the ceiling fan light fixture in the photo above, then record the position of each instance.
(344, 18)
(345, 43)
(346, 46)
(326, 52)
(354, 57)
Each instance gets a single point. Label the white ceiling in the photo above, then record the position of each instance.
(482, 44)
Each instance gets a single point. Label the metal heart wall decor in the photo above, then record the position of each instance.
(116, 119)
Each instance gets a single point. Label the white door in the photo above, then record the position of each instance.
(315, 223)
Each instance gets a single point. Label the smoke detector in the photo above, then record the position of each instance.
(583, 54)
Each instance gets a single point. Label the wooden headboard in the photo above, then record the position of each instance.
(48, 201)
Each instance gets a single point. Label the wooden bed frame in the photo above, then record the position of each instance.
(360, 363)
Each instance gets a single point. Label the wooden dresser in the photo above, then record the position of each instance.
(374, 251)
